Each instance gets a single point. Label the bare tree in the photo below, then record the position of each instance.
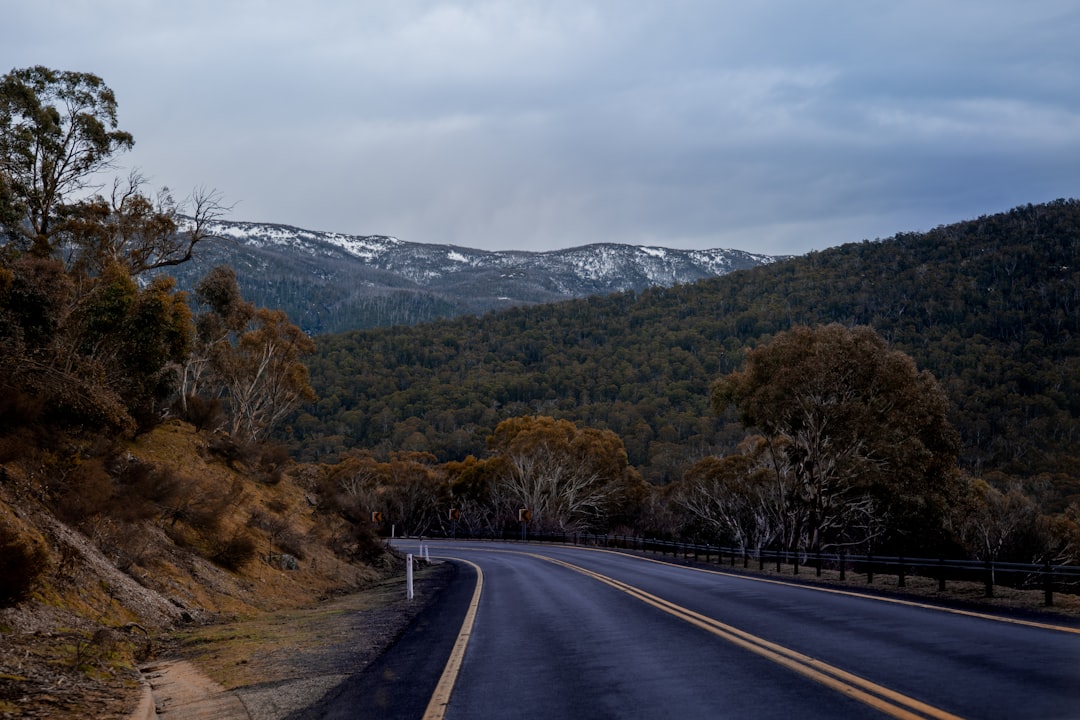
(569, 479)
(139, 233)
(223, 315)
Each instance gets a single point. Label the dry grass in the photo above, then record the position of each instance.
(262, 584)
(334, 637)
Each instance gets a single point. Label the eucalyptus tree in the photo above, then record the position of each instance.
(858, 435)
(251, 357)
(58, 132)
(569, 478)
(57, 129)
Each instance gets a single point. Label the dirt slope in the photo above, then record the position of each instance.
(113, 591)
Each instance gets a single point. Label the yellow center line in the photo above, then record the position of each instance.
(881, 698)
(440, 699)
(855, 593)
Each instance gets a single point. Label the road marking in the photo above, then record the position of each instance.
(852, 593)
(881, 698)
(440, 699)
(818, 588)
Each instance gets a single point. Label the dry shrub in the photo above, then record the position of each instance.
(202, 507)
(280, 531)
(15, 446)
(84, 492)
(273, 459)
(24, 560)
(236, 551)
(180, 536)
(127, 545)
(203, 413)
(270, 523)
(104, 650)
(19, 408)
(359, 542)
(223, 446)
(144, 489)
(278, 505)
(124, 490)
(292, 543)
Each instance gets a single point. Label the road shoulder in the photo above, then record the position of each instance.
(276, 666)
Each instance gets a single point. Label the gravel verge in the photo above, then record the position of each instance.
(272, 666)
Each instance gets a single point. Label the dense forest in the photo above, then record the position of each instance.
(989, 306)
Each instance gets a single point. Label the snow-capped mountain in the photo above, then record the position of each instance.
(331, 282)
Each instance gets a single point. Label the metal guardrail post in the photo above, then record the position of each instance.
(989, 579)
(869, 569)
(941, 575)
(902, 576)
(843, 565)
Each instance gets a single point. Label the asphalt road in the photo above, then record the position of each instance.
(564, 632)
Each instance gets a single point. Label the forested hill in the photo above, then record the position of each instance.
(990, 306)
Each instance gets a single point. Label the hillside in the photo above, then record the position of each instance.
(190, 536)
(991, 306)
(330, 282)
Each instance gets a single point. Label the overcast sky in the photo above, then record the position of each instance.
(777, 126)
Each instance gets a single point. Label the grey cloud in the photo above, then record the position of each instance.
(777, 126)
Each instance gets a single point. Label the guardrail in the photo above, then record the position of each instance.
(1050, 578)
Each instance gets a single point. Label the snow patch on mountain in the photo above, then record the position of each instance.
(332, 281)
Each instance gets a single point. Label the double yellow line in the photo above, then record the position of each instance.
(889, 702)
(876, 696)
(852, 593)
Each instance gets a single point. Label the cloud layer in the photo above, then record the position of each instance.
(773, 127)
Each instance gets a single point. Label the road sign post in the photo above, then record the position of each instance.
(523, 517)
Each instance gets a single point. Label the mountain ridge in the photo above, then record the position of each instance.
(331, 282)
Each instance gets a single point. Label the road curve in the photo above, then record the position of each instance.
(569, 632)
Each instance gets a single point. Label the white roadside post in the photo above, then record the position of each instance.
(408, 577)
